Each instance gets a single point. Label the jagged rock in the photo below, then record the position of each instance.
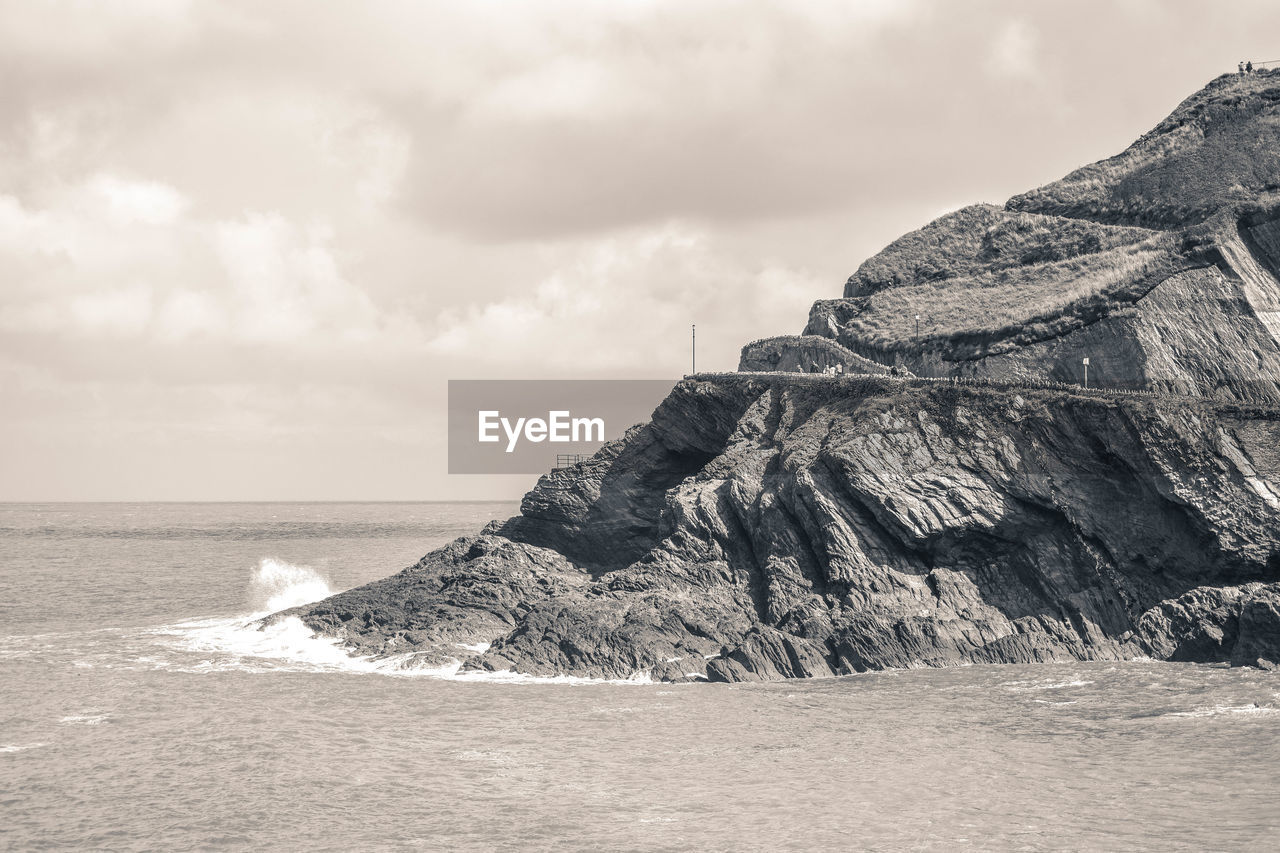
(1258, 641)
(767, 527)
(804, 354)
(1160, 265)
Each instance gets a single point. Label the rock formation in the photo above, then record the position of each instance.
(777, 524)
(764, 527)
(1110, 263)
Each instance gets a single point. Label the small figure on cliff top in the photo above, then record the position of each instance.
(1240, 65)
(1248, 67)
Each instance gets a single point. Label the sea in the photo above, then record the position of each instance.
(142, 709)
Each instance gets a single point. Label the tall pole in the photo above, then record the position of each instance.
(917, 328)
(694, 330)
(1086, 374)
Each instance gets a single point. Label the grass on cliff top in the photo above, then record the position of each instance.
(1083, 243)
(1008, 300)
(983, 239)
(1220, 147)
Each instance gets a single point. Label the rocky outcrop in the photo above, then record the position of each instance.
(1231, 350)
(803, 354)
(781, 524)
(1159, 265)
(766, 527)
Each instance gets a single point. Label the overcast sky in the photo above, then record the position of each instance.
(244, 245)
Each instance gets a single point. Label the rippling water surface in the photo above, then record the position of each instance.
(139, 711)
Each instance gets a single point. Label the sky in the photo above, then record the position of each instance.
(244, 245)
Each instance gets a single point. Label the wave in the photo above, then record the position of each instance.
(20, 747)
(277, 585)
(250, 644)
(1025, 686)
(258, 641)
(1221, 710)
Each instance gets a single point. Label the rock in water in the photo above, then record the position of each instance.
(767, 527)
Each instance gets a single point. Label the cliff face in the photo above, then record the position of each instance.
(1109, 263)
(1231, 350)
(765, 527)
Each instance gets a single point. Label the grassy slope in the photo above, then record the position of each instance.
(978, 242)
(1010, 300)
(1219, 148)
(1100, 236)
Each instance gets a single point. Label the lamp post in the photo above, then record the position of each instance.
(694, 342)
(1086, 373)
(917, 328)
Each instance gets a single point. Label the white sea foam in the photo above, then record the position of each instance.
(277, 585)
(21, 747)
(242, 643)
(85, 719)
(1024, 686)
(253, 643)
(1220, 710)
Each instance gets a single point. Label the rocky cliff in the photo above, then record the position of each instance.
(765, 527)
(777, 524)
(1107, 263)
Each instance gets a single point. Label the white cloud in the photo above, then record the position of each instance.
(564, 87)
(1014, 50)
(116, 258)
(622, 305)
(149, 202)
(191, 313)
(287, 285)
(126, 311)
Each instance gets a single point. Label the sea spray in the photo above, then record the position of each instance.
(259, 641)
(277, 585)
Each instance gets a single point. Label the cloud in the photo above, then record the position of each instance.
(148, 202)
(260, 234)
(119, 258)
(626, 302)
(1013, 51)
(285, 283)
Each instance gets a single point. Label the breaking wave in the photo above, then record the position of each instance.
(252, 642)
(277, 585)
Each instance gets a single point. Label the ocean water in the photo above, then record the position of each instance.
(139, 710)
